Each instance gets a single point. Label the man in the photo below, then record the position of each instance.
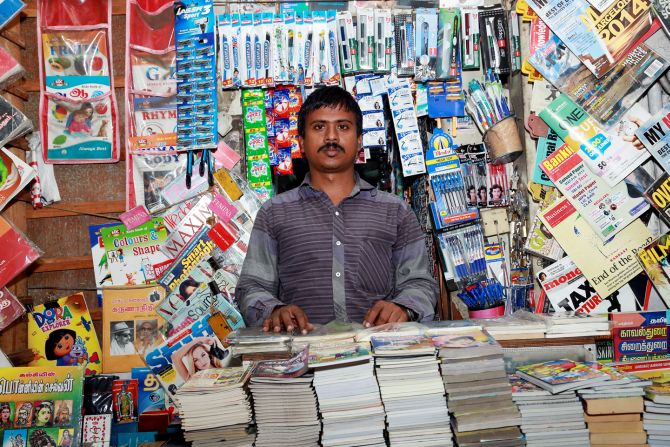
(122, 339)
(335, 247)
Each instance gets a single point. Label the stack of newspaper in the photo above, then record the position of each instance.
(549, 419)
(412, 392)
(349, 403)
(657, 412)
(479, 395)
(285, 403)
(569, 324)
(214, 408)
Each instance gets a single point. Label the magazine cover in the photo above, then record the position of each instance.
(194, 349)
(639, 344)
(60, 333)
(558, 372)
(654, 260)
(188, 228)
(610, 154)
(132, 254)
(658, 194)
(103, 277)
(589, 32)
(607, 265)
(396, 345)
(296, 366)
(15, 174)
(545, 147)
(540, 241)
(606, 99)
(569, 291)
(150, 394)
(607, 209)
(655, 135)
(662, 10)
(40, 406)
(467, 337)
(129, 326)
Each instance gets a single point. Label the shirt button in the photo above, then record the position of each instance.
(338, 274)
(337, 213)
(338, 243)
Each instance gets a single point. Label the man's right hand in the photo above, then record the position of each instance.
(288, 318)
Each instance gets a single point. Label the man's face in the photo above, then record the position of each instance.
(330, 143)
(122, 337)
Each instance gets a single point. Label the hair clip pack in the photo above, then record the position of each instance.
(77, 106)
(403, 30)
(495, 49)
(426, 45)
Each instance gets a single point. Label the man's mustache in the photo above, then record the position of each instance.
(331, 146)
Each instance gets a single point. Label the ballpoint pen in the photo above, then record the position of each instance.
(454, 49)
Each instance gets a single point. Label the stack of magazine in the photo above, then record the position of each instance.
(412, 392)
(560, 415)
(215, 408)
(479, 395)
(285, 402)
(577, 324)
(253, 341)
(349, 403)
(657, 411)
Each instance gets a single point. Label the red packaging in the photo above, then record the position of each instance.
(17, 253)
(10, 308)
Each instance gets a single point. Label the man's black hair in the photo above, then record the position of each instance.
(332, 97)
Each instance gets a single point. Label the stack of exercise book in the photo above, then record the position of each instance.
(576, 324)
(214, 408)
(348, 395)
(412, 391)
(542, 412)
(657, 412)
(479, 394)
(285, 402)
(255, 344)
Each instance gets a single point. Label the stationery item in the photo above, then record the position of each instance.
(471, 35)
(383, 39)
(61, 333)
(18, 252)
(426, 45)
(494, 39)
(573, 21)
(607, 266)
(607, 209)
(365, 33)
(347, 44)
(406, 128)
(465, 248)
(608, 153)
(404, 35)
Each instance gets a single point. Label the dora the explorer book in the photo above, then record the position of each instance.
(60, 333)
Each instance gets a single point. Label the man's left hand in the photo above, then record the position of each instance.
(383, 312)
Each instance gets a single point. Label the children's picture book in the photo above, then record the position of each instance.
(658, 195)
(17, 250)
(40, 406)
(103, 277)
(574, 22)
(10, 308)
(132, 254)
(654, 260)
(561, 375)
(655, 135)
(607, 265)
(610, 153)
(607, 209)
(61, 333)
(194, 349)
(129, 326)
(606, 99)
(150, 394)
(124, 401)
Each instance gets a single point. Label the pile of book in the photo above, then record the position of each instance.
(412, 391)
(479, 394)
(548, 419)
(255, 344)
(657, 412)
(520, 325)
(571, 324)
(214, 408)
(349, 403)
(285, 402)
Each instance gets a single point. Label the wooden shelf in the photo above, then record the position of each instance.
(62, 264)
(64, 209)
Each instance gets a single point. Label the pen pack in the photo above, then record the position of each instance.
(365, 33)
(78, 113)
(473, 169)
(470, 38)
(426, 44)
(494, 39)
(465, 249)
(383, 41)
(347, 45)
(448, 46)
(403, 31)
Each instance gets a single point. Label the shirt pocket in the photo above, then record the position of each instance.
(375, 272)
